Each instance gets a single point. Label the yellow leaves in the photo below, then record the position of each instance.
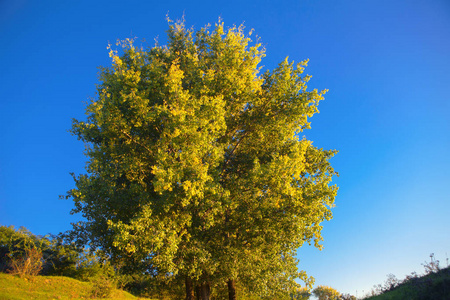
(326, 292)
(277, 204)
(115, 57)
(163, 180)
(174, 78)
(176, 132)
(187, 185)
(219, 28)
(116, 60)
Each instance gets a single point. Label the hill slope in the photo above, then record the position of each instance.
(435, 286)
(50, 287)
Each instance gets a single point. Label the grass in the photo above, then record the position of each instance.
(50, 287)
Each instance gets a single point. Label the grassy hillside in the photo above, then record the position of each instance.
(435, 286)
(50, 287)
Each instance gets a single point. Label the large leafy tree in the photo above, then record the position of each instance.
(196, 169)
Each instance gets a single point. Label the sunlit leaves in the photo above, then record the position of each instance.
(195, 165)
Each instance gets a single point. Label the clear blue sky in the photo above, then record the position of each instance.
(386, 64)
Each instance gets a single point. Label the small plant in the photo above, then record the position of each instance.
(391, 283)
(377, 290)
(347, 297)
(432, 266)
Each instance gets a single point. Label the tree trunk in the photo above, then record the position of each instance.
(198, 292)
(189, 289)
(232, 289)
(205, 291)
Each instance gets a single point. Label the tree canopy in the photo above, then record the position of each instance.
(196, 169)
(323, 292)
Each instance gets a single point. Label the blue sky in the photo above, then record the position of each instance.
(387, 111)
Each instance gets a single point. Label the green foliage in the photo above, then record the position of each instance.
(137, 284)
(90, 266)
(195, 166)
(102, 287)
(24, 253)
(62, 258)
(435, 285)
(21, 251)
(302, 293)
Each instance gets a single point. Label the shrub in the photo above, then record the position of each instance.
(61, 257)
(347, 297)
(21, 252)
(432, 266)
(24, 253)
(137, 284)
(91, 265)
(391, 283)
(102, 287)
(29, 263)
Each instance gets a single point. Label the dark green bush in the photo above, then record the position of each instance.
(21, 252)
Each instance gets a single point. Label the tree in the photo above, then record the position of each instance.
(302, 293)
(196, 169)
(326, 293)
